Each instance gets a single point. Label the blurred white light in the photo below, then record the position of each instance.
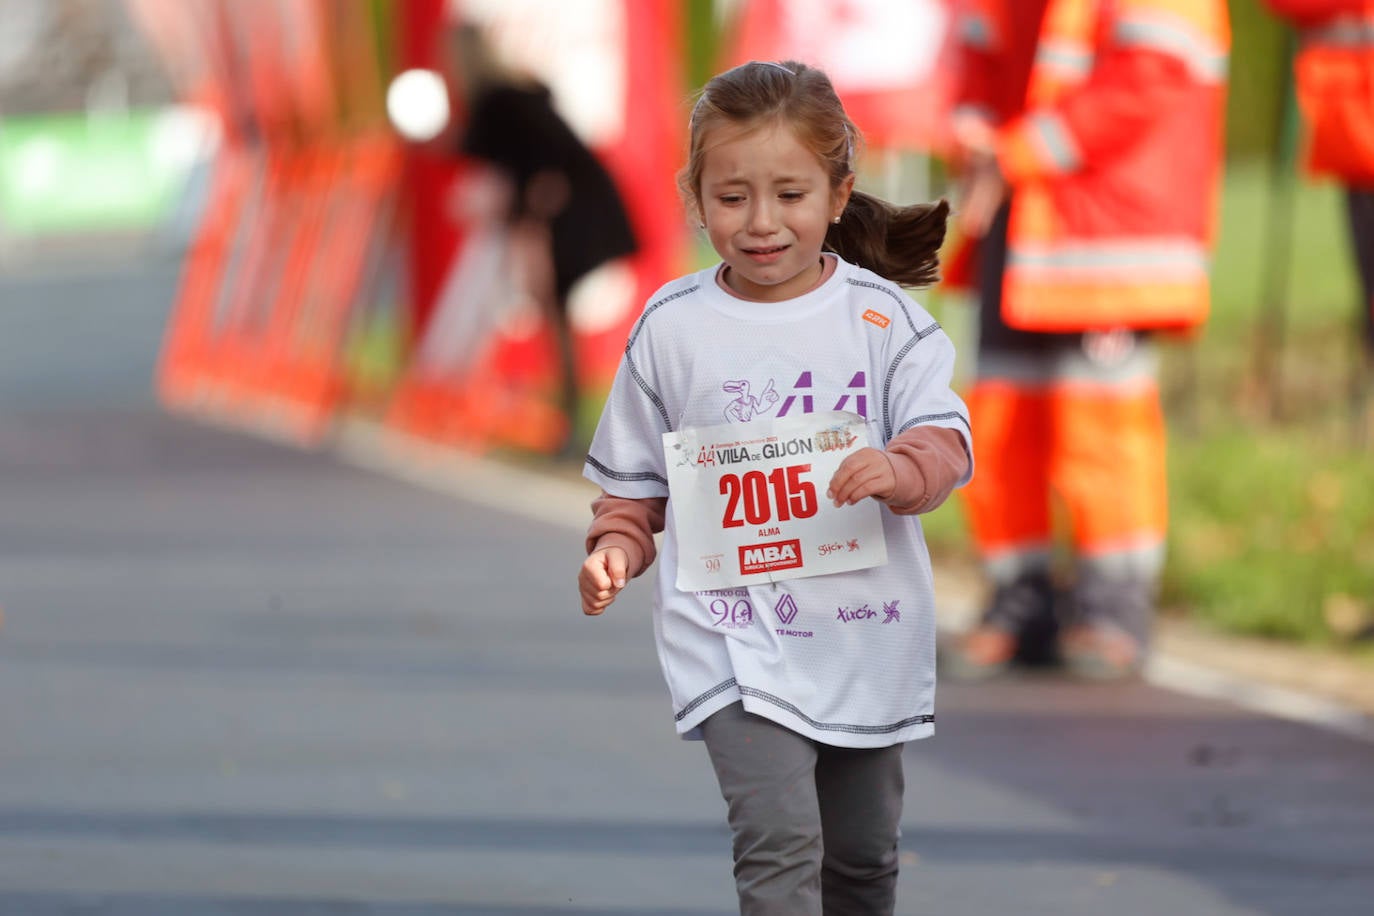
(602, 298)
(38, 163)
(417, 104)
(575, 47)
(182, 134)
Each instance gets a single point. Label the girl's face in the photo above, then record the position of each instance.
(766, 201)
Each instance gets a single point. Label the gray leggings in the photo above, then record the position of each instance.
(815, 826)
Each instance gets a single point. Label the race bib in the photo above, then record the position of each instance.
(749, 502)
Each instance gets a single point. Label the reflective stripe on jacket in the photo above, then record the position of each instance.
(1113, 154)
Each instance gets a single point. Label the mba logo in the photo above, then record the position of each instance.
(770, 557)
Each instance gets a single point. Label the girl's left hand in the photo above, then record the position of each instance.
(867, 472)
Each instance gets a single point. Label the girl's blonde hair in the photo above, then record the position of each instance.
(899, 243)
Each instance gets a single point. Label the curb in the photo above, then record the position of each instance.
(1305, 685)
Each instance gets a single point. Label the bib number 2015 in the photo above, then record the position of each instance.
(781, 490)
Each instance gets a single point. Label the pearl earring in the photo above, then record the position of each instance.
(836, 220)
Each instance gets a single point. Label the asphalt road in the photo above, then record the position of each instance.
(237, 678)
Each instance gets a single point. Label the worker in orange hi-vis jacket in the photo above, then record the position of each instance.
(1334, 69)
(1088, 135)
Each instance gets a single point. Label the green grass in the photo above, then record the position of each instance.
(1273, 508)
(1270, 531)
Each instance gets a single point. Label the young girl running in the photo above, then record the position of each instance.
(803, 686)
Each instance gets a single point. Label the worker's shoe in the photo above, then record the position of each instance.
(1101, 652)
(1017, 628)
(983, 652)
(1112, 618)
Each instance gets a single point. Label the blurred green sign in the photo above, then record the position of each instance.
(72, 173)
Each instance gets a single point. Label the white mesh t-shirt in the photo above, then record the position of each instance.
(846, 659)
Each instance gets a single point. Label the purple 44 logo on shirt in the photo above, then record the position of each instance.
(745, 406)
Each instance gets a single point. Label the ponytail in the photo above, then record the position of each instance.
(901, 244)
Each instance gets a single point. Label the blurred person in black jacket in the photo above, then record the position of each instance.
(564, 212)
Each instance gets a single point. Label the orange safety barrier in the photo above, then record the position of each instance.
(339, 264)
(182, 381)
(243, 306)
(259, 328)
(476, 417)
(506, 397)
(300, 207)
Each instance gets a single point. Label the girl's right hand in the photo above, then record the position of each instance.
(604, 573)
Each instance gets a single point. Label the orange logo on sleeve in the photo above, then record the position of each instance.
(877, 318)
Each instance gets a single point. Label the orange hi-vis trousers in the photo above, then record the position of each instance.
(1056, 424)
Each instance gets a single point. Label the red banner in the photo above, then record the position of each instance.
(888, 59)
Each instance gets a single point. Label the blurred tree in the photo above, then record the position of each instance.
(702, 32)
(69, 55)
(1258, 76)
